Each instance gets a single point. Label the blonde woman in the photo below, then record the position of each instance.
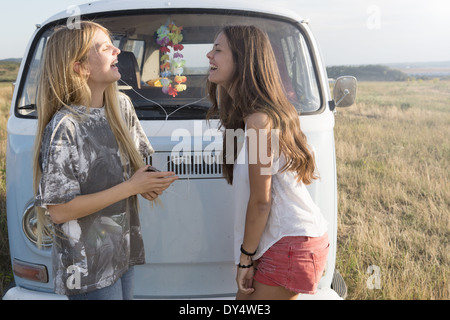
(278, 228)
(88, 166)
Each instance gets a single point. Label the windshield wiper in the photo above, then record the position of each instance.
(172, 107)
(31, 106)
(170, 110)
(186, 111)
(167, 108)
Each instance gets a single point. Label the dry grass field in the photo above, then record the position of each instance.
(5, 267)
(393, 154)
(393, 158)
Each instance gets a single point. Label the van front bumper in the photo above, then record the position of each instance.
(19, 293)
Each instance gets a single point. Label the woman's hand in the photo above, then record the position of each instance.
(150, 184)
(151, 195)
(244, 277)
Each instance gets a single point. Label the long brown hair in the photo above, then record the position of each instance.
(256, 87)
(60, 86)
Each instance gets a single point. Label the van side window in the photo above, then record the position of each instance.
(298, 74)
(27, 101)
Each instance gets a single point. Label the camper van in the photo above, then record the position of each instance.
(188, 237)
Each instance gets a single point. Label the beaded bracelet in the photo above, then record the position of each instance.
(245, 266)
(247, 253)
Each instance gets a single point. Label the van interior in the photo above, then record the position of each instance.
(140, 62)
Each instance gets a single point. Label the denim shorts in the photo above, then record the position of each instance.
(295, 263)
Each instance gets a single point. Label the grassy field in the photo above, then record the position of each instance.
(393, 154)
(5, 264)
(8, 71)
(393, 157)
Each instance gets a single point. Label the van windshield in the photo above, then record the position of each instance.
(167, 81)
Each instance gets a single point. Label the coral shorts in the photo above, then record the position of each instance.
(295, 263)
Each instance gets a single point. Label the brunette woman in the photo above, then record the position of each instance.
(278, 227)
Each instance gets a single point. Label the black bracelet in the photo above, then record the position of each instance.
(245, 266)
(246, 253)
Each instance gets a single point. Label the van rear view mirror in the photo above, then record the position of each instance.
(344, 92)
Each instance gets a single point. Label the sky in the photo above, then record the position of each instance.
(349, 32)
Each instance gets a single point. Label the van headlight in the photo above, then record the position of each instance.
(29, 227)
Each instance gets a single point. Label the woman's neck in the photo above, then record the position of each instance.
(97, 98)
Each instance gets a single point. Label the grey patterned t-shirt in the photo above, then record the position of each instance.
(80, 155)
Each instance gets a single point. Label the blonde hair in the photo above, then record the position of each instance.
(257, 87)
(60, 86)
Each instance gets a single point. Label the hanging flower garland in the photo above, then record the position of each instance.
(171, 36)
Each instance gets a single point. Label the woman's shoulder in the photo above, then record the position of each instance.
(124, 102)
(64, 117)
(68, 118)
(125, 106)
(257, 120)
(127, 110)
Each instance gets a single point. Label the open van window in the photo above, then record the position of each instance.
(140, 63)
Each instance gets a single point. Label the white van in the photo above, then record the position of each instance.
(189, 239)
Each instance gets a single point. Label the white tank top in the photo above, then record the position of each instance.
(292, 213)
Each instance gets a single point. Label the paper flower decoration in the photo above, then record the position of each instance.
(164, 49)
(180, 87)
(180, 79)
(178, 47)
(170, 36)
(173, 91)
(166, 85)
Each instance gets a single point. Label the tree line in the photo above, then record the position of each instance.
(367, 73)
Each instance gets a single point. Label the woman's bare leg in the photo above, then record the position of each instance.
(265, 292)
